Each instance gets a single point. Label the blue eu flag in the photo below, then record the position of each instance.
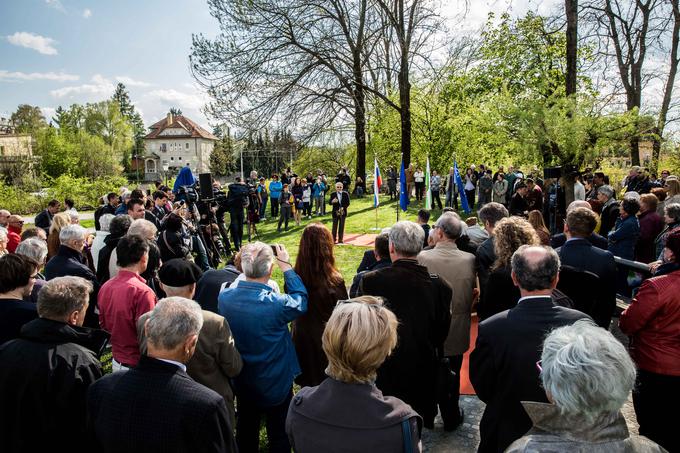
(403, 190)
(461, 188)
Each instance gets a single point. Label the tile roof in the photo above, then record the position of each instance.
(179, 122)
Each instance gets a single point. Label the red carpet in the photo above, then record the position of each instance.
(465, 385)
(363, 240)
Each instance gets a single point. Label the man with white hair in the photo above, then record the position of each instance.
(503, 363)
(457, 269)
(610, 209)
(156, 406)
(421, 302)
(35, 249)
(45, 373)
(595, 239)
(587, 375)
(69, 261)
(259, 320)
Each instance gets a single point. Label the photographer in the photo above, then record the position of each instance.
(237, 199)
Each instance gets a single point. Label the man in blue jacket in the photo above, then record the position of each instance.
(275, 188)
(259, 320)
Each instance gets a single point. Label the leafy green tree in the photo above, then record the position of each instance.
(28, 119)
(222, 156)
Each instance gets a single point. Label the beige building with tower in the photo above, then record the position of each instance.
(174, 142)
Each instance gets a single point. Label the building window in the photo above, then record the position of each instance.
(163, 148)
(172, 158)
(187, 145)
(179, 158)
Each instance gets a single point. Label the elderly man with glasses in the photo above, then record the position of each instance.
(15, 224)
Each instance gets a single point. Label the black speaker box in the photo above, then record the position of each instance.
(552, 172)
(205, 180)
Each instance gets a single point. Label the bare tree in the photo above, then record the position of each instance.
(625, 30)
(302, 62)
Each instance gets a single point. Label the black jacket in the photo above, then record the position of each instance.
(518, 205)
(485, 257)
(344, 202)
(499, 294)
(608, 218)
(503, 367)
(367, 261)
(354, 289)
(157, 407)
(14, 313)
(44, 377)
(210, 284)
(69, 262)
(104, 257)
(580, 254)
(422, 306)
(595, 239)
(105, 209)
(44, 220)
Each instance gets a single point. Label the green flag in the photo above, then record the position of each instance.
(428, 195)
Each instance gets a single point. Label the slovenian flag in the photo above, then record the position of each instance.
(377, 183)
(461, 188)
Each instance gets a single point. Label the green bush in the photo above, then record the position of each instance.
(84, 192)
(19, 201)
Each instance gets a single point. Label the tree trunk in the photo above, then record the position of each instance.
(635, 147)
(405, 112)
(360, 123)
(571, 8)
(656, 151)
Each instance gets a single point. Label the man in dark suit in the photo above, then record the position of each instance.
(489, 215)
(503, 367)
(578, 253)
(595, 239)
(156, 406)
(44, 219)
(610, 209)
(422, 305)
(339, 200)
(381, 259)
(518, 203)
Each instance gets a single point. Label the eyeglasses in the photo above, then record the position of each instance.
(34, 277)
(18, 222)
(539, 366)
(352, 301)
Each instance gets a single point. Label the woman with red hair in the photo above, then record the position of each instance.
(315, 264)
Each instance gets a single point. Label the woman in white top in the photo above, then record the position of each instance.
(579, 190)
(419, 178)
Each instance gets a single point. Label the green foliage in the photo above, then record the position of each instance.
(222, 157)
(18, 201)
(84, 191)
(28, 119)
(327, 159)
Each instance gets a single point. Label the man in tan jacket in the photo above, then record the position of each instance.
(457, 269)
(216, 359)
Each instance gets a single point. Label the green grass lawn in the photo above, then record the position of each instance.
(361, 219)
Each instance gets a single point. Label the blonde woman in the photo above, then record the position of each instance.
(536, 221)
(347, 412)
(500, 292)
(59, 221)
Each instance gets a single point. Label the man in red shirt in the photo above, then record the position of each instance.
(124, 298)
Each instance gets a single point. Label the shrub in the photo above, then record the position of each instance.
(84, 192)
(19, 201)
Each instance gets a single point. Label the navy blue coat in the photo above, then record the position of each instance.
(623, 237)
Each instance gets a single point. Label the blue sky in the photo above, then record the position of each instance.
(59, 52)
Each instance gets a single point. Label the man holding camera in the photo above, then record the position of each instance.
(340, 202)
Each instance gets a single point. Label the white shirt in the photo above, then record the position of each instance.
(242, 277)
(179, 364)
(521, 299)
(579, 191)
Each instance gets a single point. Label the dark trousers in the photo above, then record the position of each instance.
(275, 207)
(655, 397)
(449, 407)
(419, 190)
(236, 226)
(307, 208)
(263, 208)
(451, 200)
(248, 418)
(470, 195)
(338, 227)
(285, 216)
(435, 198)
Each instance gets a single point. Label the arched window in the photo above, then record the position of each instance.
(150, 166)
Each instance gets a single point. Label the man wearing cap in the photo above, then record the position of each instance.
(216, 359)
(518, 204)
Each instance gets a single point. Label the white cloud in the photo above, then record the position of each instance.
(53, 76)
(38, 43)
(87, 13)
(179, 99)
(129, 81)
(48, 112)
(55, 4)
(100, 86)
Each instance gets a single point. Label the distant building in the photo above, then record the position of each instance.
(172, 143)
(16, 152)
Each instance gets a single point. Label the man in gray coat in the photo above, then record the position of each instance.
(457, 269)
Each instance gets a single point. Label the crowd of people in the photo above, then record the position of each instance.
(202, 356)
